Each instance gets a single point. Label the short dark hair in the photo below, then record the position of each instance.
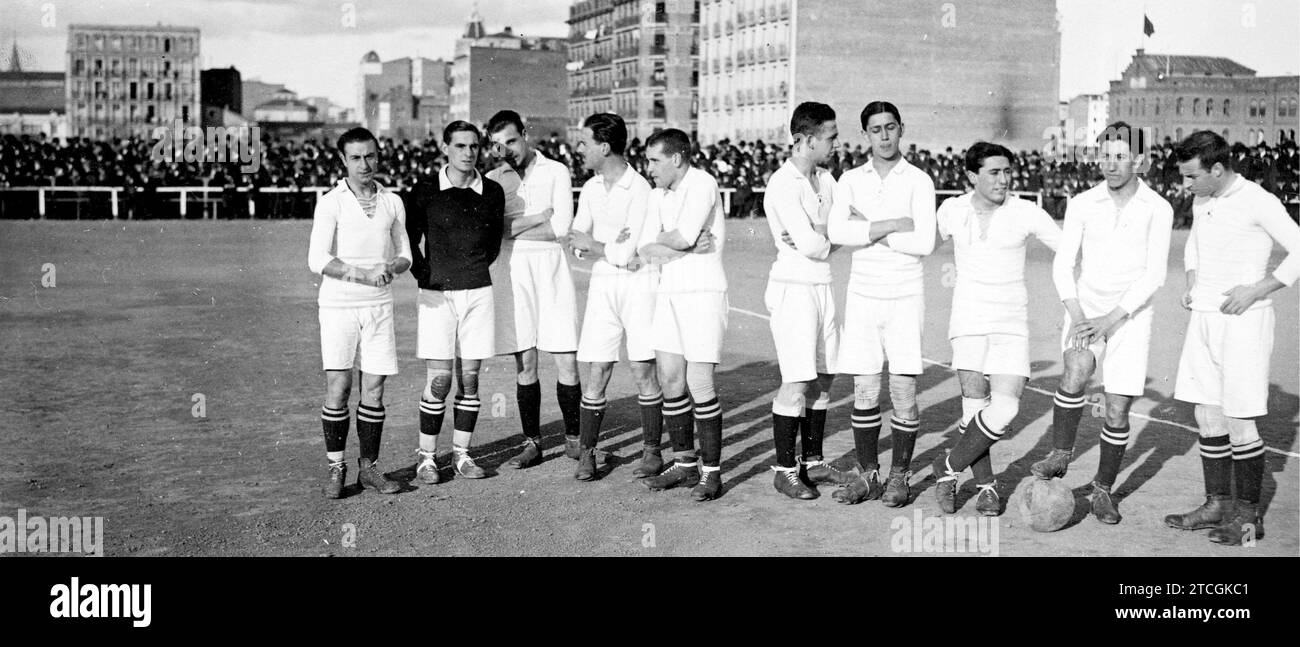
(505, 118)
(460, 126)
(1136, 138)
(1206, 145)
(981, 151)
(357, 134)
(808, 119)
(672, 140)
(878, 107)
(608, 128)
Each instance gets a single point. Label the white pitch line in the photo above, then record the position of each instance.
(1035, 389)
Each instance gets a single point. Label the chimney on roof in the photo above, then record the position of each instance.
(1141, 52)
(508, 30)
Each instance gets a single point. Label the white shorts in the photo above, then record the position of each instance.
(455, 323)
(691, 324)
(536, 303)
(1225, 361)
(619, 307)
(876, 330)
(1122, 358)
(368, 330)
(805, 329)
(994, 354)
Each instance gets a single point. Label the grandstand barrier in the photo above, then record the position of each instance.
(115, 202)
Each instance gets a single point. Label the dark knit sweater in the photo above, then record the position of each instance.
(455, 234)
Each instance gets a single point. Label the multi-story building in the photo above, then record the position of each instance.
(127, 80)
(222, 87)
(255, 92)
(959, 71)
(407, 98)
(31, 103)
(1178, 95)
(504, 70)
(637, 58)
(1086, 118)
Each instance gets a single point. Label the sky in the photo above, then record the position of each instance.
(314, 46)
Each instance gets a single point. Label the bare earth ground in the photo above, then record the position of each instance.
(97, 419)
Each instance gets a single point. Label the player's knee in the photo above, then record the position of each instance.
(1002, 409)
(902, 393)
(1210, 420)
(439, 385)
(526, 366)
(1117, 413)
(566, 368)
(469, 382)
(700, 383)
(647, 382)
(1242, 431)
(866, 391)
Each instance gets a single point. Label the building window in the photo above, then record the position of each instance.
(1263, 108)
(1178, 132)
(1225, 134)
(1196, 107)
(1254, 108)
(1209, 107)
(1178, 110)
(1226, 103)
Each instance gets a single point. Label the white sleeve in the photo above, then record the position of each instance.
(1044, 228)
(785, 212)
(323, 229)
(919, 241)
(582, 220)
(1157, 263)
(839, 227)
(561, 201)
(1067, 255)
(397, 231)
(1274, 220)
(621, 254)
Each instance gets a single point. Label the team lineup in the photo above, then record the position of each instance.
(489, 252)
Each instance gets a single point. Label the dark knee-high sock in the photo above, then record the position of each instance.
(784, 431)
(976, 441)
(812, 430)
(593, 414)
(570, 399)
(866, 436)
(529, 397)
(466, 415)
(335, 423)
(1248, 470)
(652, 419)
(1216, 463)
(1067, 409)
(982, 467)
(708, 426)
(677, 420)
(1114, 440)
(370, 428)
(903, 432)
(431, 414)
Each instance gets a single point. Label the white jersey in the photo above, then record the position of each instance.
(990, 296)
(692, 208)
(1125, 251)
(1231, 240)
(792, 206)
(891, 268)
(341, 229)
(605, 213)
(546, 184)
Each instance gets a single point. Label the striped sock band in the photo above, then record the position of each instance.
(370, 427)
(994, 435)
(1067, 410)
(903, 432)
(466, 413)
(677, 420)
(1216, 464)
(1114, 440)
(431, 414)
(708, 426)
(1247, 450)
(335, 423)
(866, 436)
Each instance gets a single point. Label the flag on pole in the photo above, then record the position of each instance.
(1147, 27)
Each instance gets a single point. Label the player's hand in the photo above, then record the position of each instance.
(703, 244)
(1239, 299)
(1186, 301)
(854, 214)
(787, 239)
(580, 240)
(623, 236)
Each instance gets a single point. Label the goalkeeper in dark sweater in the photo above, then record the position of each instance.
(455, 224)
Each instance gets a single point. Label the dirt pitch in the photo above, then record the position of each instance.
(102, 368)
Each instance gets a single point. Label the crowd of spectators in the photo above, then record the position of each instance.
(743, 166)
